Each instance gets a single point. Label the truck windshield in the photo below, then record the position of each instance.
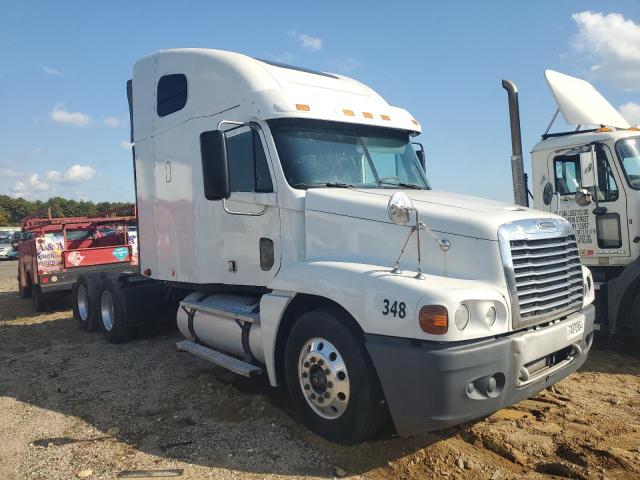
(317, 153)
(629, 153)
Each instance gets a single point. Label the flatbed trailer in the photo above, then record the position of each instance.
(55, 251)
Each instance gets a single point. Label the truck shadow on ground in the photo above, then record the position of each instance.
(167, 403)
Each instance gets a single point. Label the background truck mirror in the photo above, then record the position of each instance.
(588, 168)
(215, 168)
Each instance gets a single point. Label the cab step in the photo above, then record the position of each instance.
(223, 360)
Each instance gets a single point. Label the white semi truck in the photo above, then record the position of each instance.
(288, 211)
(590, 175)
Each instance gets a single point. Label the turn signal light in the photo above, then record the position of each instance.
(434, 319)
(302, 107)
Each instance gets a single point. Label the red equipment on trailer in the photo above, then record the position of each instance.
(55, 251)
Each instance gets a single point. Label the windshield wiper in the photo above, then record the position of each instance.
(402, 184)
(323, 184)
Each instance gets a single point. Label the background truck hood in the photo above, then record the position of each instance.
(443, 212)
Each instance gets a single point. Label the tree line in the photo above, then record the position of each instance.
(13, 210)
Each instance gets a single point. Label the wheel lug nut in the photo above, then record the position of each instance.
(307, 387)
(326, 394)
(313, 359)
(327, 372)
(320, 362)
(312, 396)
(305, 374)
(320, 399)
(329, 384)
(306, 365)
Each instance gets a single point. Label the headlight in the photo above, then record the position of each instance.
(461, 318)
(490, 316)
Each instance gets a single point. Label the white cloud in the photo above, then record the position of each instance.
(307, 41)
(631, 112)
(610, 43)
(52, 71)
(31, 185)
(111, 121)
(75, 174)
(77, 119)
(9, 172)
(345, 64)
(126, 145)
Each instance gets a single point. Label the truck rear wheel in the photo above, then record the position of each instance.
(113, 315)
(331, 380)
(86, 297)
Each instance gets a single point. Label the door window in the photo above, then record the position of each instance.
(567, 171)
(607, 187)
(248, 169)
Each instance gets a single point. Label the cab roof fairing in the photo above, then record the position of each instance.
(219, 80)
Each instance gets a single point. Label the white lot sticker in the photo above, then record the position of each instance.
(575, 329)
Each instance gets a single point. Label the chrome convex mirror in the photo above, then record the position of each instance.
(400, 208)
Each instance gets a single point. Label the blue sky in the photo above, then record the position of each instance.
(63, 68)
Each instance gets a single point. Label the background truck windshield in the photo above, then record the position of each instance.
(629, 152)
(316, 153)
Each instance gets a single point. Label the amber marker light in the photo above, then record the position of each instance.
(367, 114)
(302, 107)
(385, 117)
(415, 122)
(604, 129)
(347, 112)
(434, 319)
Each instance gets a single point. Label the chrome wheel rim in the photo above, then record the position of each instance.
(323, 378)
(83, 303)
(106, 310)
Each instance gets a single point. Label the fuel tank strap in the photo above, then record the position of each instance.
(190, 314)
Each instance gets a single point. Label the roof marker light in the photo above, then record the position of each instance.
(415, 122)
(348, 113)
(603, 129)
(385, 117)
(634, 129)
(302, 107)
(367, 114)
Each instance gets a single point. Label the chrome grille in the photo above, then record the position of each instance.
(543, 271)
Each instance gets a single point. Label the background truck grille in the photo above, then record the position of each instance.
(548, 277)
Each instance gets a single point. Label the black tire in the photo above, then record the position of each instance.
(40, 301)
(635, 317)
(366, 410)
(25, 292)
(113, 312)
(85, 300)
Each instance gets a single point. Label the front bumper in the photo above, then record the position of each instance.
(430, 385)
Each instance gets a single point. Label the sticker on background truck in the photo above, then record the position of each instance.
(120, 253)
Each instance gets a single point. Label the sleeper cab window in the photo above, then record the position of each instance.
(248, 169)
(172, 94)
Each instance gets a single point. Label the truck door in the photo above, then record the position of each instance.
(601, 227)
(250, 218)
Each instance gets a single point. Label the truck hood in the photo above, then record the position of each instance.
(443, 212)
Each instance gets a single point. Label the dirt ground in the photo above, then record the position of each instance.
(74, 406)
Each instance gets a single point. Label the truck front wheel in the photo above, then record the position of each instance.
(635, 317)
(331, 380)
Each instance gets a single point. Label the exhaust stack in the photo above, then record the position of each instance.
(517, 165)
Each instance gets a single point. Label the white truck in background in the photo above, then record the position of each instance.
(288, 212)
(590, 175)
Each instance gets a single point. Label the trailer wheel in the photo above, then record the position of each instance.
(85, 296)
(331, 380)
(113, 315)
(40, 302)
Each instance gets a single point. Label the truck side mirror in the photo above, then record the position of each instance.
(420, 154)
(588, 170)
(215, 167)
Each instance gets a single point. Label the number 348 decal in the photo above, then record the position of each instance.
(395, 308)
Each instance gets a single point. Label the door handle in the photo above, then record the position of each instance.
(248, 214)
